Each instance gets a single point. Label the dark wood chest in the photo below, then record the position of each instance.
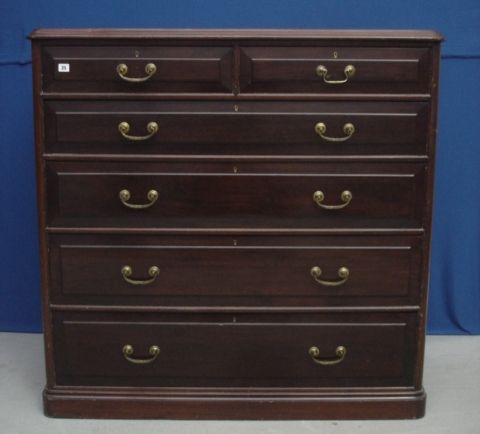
(235, 223)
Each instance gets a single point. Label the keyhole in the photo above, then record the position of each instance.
(235, 170)
(137, 53)
(335, 55)
(235, 107)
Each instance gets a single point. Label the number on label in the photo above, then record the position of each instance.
(64, 67)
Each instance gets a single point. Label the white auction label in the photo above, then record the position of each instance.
(64, 67)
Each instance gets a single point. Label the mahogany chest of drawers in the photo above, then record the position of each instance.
(235, 223)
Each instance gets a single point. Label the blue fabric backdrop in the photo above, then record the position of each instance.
(454, 286)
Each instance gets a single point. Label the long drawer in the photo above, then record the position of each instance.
(342, 350)
(242, 271)
(148, 195)
(127, 69)
(241, 128)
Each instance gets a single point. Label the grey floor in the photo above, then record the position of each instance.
(452, 380)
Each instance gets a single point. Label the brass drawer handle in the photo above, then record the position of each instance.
(340, 352)
(127, 271)
(122, 71)
(125, 195)
(321, 129)
(128, 350)
(346, 197)
(349, 72)
(124, 128)
(343, 273)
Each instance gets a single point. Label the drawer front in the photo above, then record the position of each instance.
(247, 128)
(337, 70)
(127, 69)
(204, 352)
(100, 196)
(254, 272)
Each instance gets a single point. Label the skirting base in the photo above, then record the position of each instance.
(235, 406)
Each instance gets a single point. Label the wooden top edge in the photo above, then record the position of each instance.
(347, 34)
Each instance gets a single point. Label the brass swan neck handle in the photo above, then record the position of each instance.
(122, 71)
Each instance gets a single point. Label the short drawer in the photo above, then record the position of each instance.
(245, 128)
(137, 69)
(222, 271)
(342, 350)
(138, 195)
(335, 70)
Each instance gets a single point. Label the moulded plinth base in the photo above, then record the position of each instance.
(235, 405)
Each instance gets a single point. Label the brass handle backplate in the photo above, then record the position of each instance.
(346, 197)
(343, 273)
(124, 129)
(340, 353)
(127, 271)
(128, 351)
(122, 71)
(322, 71)
(321, 129)
(125, 195)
